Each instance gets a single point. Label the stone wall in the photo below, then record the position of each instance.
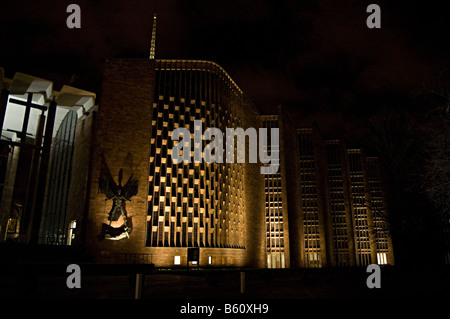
(123, 140)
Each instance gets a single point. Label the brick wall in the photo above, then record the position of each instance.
(123, 139)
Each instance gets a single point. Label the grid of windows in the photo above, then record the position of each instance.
(360, 210)
(309, 199)
(337, 203)
(275, 247)
(194, 204)
(355, 223)
(381, 226)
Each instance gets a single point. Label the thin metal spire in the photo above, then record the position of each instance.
(153, 43)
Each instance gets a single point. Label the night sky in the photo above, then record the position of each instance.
(310, 55)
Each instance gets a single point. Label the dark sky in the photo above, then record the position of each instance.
(313, 55)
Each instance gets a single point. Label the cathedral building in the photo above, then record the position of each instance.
(111, 185)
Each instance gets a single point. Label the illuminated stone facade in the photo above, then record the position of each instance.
(197, 204)
(276, 213)
(337, 213)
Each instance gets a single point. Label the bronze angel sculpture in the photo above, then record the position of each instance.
(119, 194)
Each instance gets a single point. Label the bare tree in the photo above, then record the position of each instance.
(435, 175)
(393, 136)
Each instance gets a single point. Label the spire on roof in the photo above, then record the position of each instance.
(153, 42)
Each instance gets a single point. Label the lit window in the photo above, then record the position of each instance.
(381, 258)
(210, 260)
(177, 260)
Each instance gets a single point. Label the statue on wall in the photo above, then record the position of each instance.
(119, 194)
